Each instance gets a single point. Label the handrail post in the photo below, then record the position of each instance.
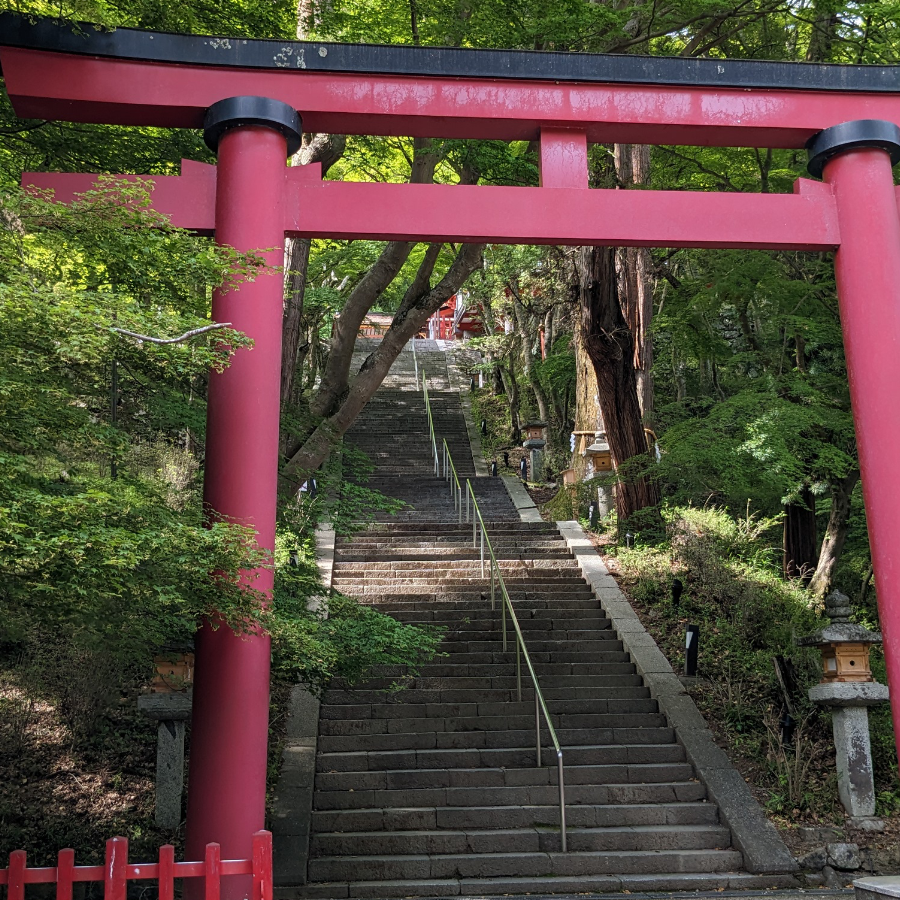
(493, 601)
(519, 670)
(503, 611)
(537, 727)
(562, 803)
(482, 551)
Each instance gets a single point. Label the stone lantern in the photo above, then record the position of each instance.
(598, 460)
(535, 431)
(169, 704)
(174, 672)
(535, 441)
(847, 687)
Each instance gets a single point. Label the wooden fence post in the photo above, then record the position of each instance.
(115, 872)
(65, 871)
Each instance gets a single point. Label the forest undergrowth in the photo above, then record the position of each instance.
(748, 614)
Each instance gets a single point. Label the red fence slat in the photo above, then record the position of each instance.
(262, 866)
(167, 872)
(116, 872)
(15, 886)
(213, 874)
(115, 875)
(65, 870)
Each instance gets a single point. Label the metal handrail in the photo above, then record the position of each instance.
(540, 705)
(447, 470)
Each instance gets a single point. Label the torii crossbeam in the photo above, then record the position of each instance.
(249, 96)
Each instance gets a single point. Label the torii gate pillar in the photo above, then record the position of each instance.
(229, 731)
(856, 159)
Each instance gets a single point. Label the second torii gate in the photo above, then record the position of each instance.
(249, 97)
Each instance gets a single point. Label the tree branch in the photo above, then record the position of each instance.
(194, 332)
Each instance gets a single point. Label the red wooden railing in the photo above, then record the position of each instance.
(117, 871)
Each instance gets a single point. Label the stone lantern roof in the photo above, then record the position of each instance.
(841, 630)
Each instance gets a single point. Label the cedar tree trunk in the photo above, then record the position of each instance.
(609, 344)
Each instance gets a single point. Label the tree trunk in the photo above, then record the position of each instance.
(799, 544)
(526, 337)
(635, 268)
(835, 535)
(609, 344)
(498, 389)
(511, 387)
(414, 311)
(296, 264)
(335, 381)
(326, 149)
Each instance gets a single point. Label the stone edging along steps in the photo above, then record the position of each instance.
(763, 850)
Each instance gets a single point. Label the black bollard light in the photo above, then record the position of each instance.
(506, 459)
(494, 468)
(691, 650)
(472, 383)
(788, 726)
(592, 515)
(294, 560)
(677, 591)
(523, 469)
(484, 426)
(313, 488)
(629, 540)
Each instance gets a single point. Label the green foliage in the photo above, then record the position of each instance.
(111, 565)
(747, 614)
(344, 639)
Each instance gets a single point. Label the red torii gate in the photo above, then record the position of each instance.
(246, 95)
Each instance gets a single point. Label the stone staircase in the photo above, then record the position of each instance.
(434, 790)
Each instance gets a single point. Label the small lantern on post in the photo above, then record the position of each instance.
(570, 483)
(535, 441)
(169, 704)
(598, 456)
(598, 459)
(174, 671)
(848, 687)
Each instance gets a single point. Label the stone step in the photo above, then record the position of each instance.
(552, 651)
(493, 865)
(465, 562)
(522, 601)
(532, 635)
(439, 578)
(479, 695)
(495, 724)
(567, 886)
(519, 840)
(421, 779)
(511, 711)
(543, 670)
(517, 756)
(445, 740)
(487, 817)
(549, 618)
(599, 683)
(512, 795)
